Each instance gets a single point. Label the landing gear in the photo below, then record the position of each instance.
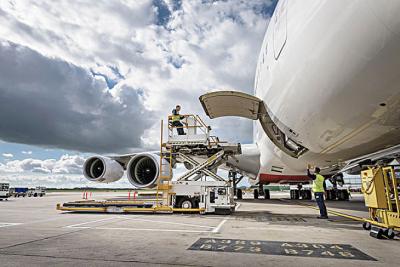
(255, 193)
(267, 194)
(239, 194)
(235, 180)
(337, 194)
(294, 194)
(306, 194)
(303, 194)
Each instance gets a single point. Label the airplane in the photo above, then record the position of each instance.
(326, 93)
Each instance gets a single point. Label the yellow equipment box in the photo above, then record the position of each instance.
(373, 187)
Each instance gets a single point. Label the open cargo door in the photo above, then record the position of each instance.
(231, 103)
(238, 104)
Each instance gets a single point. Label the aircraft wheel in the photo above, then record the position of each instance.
(255, 194)
(345, 195)
(267, 194)
(296, 194)
(239, 194)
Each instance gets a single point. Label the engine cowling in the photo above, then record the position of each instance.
(102, 170)
(143, 170)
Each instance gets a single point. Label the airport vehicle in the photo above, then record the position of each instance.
(20, 191)
(380, 186)
(325, 93)
(39, 191)
(4, 191)
(199, 189)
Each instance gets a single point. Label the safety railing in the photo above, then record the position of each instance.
(193, 130)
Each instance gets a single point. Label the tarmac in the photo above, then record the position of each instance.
(276, 232)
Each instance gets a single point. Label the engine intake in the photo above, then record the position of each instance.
(143, 170)
(102, 170)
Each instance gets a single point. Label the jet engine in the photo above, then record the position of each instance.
(143, 170)
(102, 169)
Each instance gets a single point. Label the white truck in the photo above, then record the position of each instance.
(39, 191)
(4, 191)
(212, 196)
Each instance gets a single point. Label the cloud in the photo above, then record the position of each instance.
(100, 77)
(27, 152)
(66, 164)
(50, 102)
(8, 155)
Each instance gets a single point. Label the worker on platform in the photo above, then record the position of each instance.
(318, 188)
(176, 120)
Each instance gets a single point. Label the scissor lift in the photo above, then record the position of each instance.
(199, 189)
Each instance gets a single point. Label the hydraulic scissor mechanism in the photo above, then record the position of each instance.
(201, 153)
(205, 168)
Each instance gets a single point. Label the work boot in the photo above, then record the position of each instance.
(322, 217)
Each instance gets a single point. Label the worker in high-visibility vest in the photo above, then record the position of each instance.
(176, 120)
(318, 188)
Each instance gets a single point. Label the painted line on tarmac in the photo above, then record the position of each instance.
(167, 222)
(143, 229)
(210, 229)
(4, 224)
(237, 207)
(219, 226)
(78, 224)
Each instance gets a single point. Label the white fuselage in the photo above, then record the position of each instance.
(330, 72)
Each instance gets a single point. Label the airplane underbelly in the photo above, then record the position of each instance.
(336, 87)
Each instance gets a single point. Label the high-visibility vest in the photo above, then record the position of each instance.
(318, 184)
(175, 118)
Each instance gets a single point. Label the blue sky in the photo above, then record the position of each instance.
(78, 79)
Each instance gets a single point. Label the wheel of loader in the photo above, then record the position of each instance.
(376, 232)
(389, 233)
(255, 194)
(186, 203)
(267, 194)
(239, 194)
(366, 226)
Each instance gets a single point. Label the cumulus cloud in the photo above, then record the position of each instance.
(98, 77)
(8, 155)
(45, 101)
(66, 164)
(27, 152)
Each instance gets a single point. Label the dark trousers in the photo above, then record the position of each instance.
(319, 197)
(180, 129)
